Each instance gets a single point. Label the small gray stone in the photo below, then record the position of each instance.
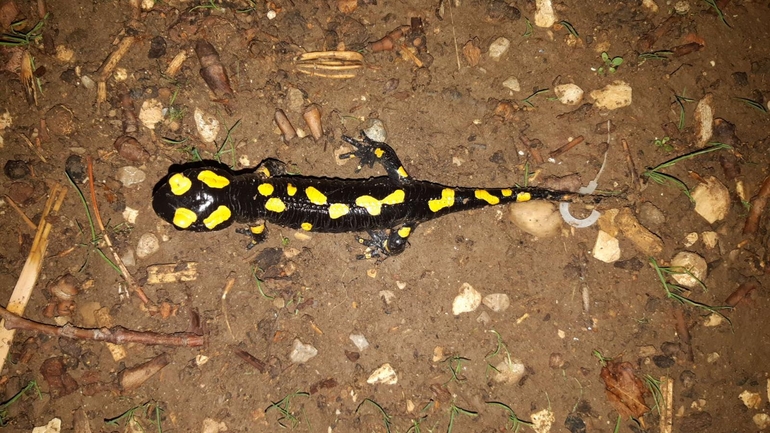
(301, 353)
(129, 175)
(148, 244)
(650, 215)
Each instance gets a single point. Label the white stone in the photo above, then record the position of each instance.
(53, 426)
(538, 218)
(206, 125)
(498, 48)
(704, 120)
(468, 300)
(690, 239)
(712, 200)
(751, 400)
(359, 341)
(650, 4)
(710, 239)
(301, 353)
(129, 175)
(376, 131)
(761, 420)
(130, 214)
(148, 245)
(512, 83)
(509, 371)
(542, 421)
(613, 96)
(385, 375)
(606, 248)
(497, 302)
(695, 264)
(544, 15)
(569, 94)
(213, 426)
(151, 113)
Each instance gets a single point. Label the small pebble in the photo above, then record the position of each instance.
(157, 47)
(556, 360)
(468, 300)
(498, 48)
(376, 131)
(385, 375)
(128, 258)
(646, 351)
(497, 302)
(650, 215)
(301, 353)
(151, 113)
(512, 83)
(129, 148)
(687, 378)
(22, 193)
(148, 244)
(509, 371)
(129, 175)
(16, 169)
(669, 348)
(352, 356)
(359, 341)
(76, 168)
(663, 361)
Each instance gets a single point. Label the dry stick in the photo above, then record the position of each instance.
(631, 167)
(106, 69)
(228, 286)
(21, 213)
(114, 335)
(575, 141)
(757, 207)
(33, 148)
(31, 270)
(667, 412)
(132, 284)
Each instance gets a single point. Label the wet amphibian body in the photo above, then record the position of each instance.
(209, 198)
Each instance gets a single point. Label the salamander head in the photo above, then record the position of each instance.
(196, 199)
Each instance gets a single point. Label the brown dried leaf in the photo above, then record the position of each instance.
(472, 53)
(624, 390)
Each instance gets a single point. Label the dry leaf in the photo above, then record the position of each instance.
(624, 390)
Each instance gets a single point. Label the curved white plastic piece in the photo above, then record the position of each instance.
(576, 222)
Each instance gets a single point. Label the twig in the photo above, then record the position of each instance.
(667, 413)
(132, 284)
(631, 166)
(33, 148)
(31, 270)
(757, 208)
(21, 213)
(250, 359)
(106, 69)
(114, 335)
(225, 291)
(454, 36)
(575, 141)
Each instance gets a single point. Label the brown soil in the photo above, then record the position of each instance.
(452, 122)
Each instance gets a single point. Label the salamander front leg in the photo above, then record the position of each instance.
(383, 244)
(369, 151)
(257, 232)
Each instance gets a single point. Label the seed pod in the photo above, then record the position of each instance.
(65, 288)
(284, 125)
(312, 116)
(212, 70)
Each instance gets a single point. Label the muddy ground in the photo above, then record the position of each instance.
(441, 98)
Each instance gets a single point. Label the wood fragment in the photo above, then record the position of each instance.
(758, 205)
(574, 142)
(33, 148)
(284, 124)
(228, 286)
(114, 335)
(176, 64)
(108, 67)
(312, 116)
(250, 359)
(172, 273)
(635, 181)
(134, 377)
(133, 286)
(21, 213)
(329, 64)
(31, 270)
(667, 411)
(684, 332)
(212, 70)
(741, 292)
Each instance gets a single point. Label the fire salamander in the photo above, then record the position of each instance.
(388, 207)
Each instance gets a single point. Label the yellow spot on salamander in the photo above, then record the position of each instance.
(258, 230)
(374, 206)
(275, 204)
(213, 180)
(483, 194)
(307, 227)
(379, 152)
(184, 218)
(523, 196)
(337, 210)
(402, 172)
(315, 196)
(447, 200)
(220, 215)
(291, 190)
(506, 192)
(265, 189)
(264, 171)
(179, 184)
(404, 232)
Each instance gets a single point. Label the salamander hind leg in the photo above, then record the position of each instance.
(369, 151)
(257, 232)
(383, 244)
(270, 168)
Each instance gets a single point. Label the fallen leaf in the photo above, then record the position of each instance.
(624, 390)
